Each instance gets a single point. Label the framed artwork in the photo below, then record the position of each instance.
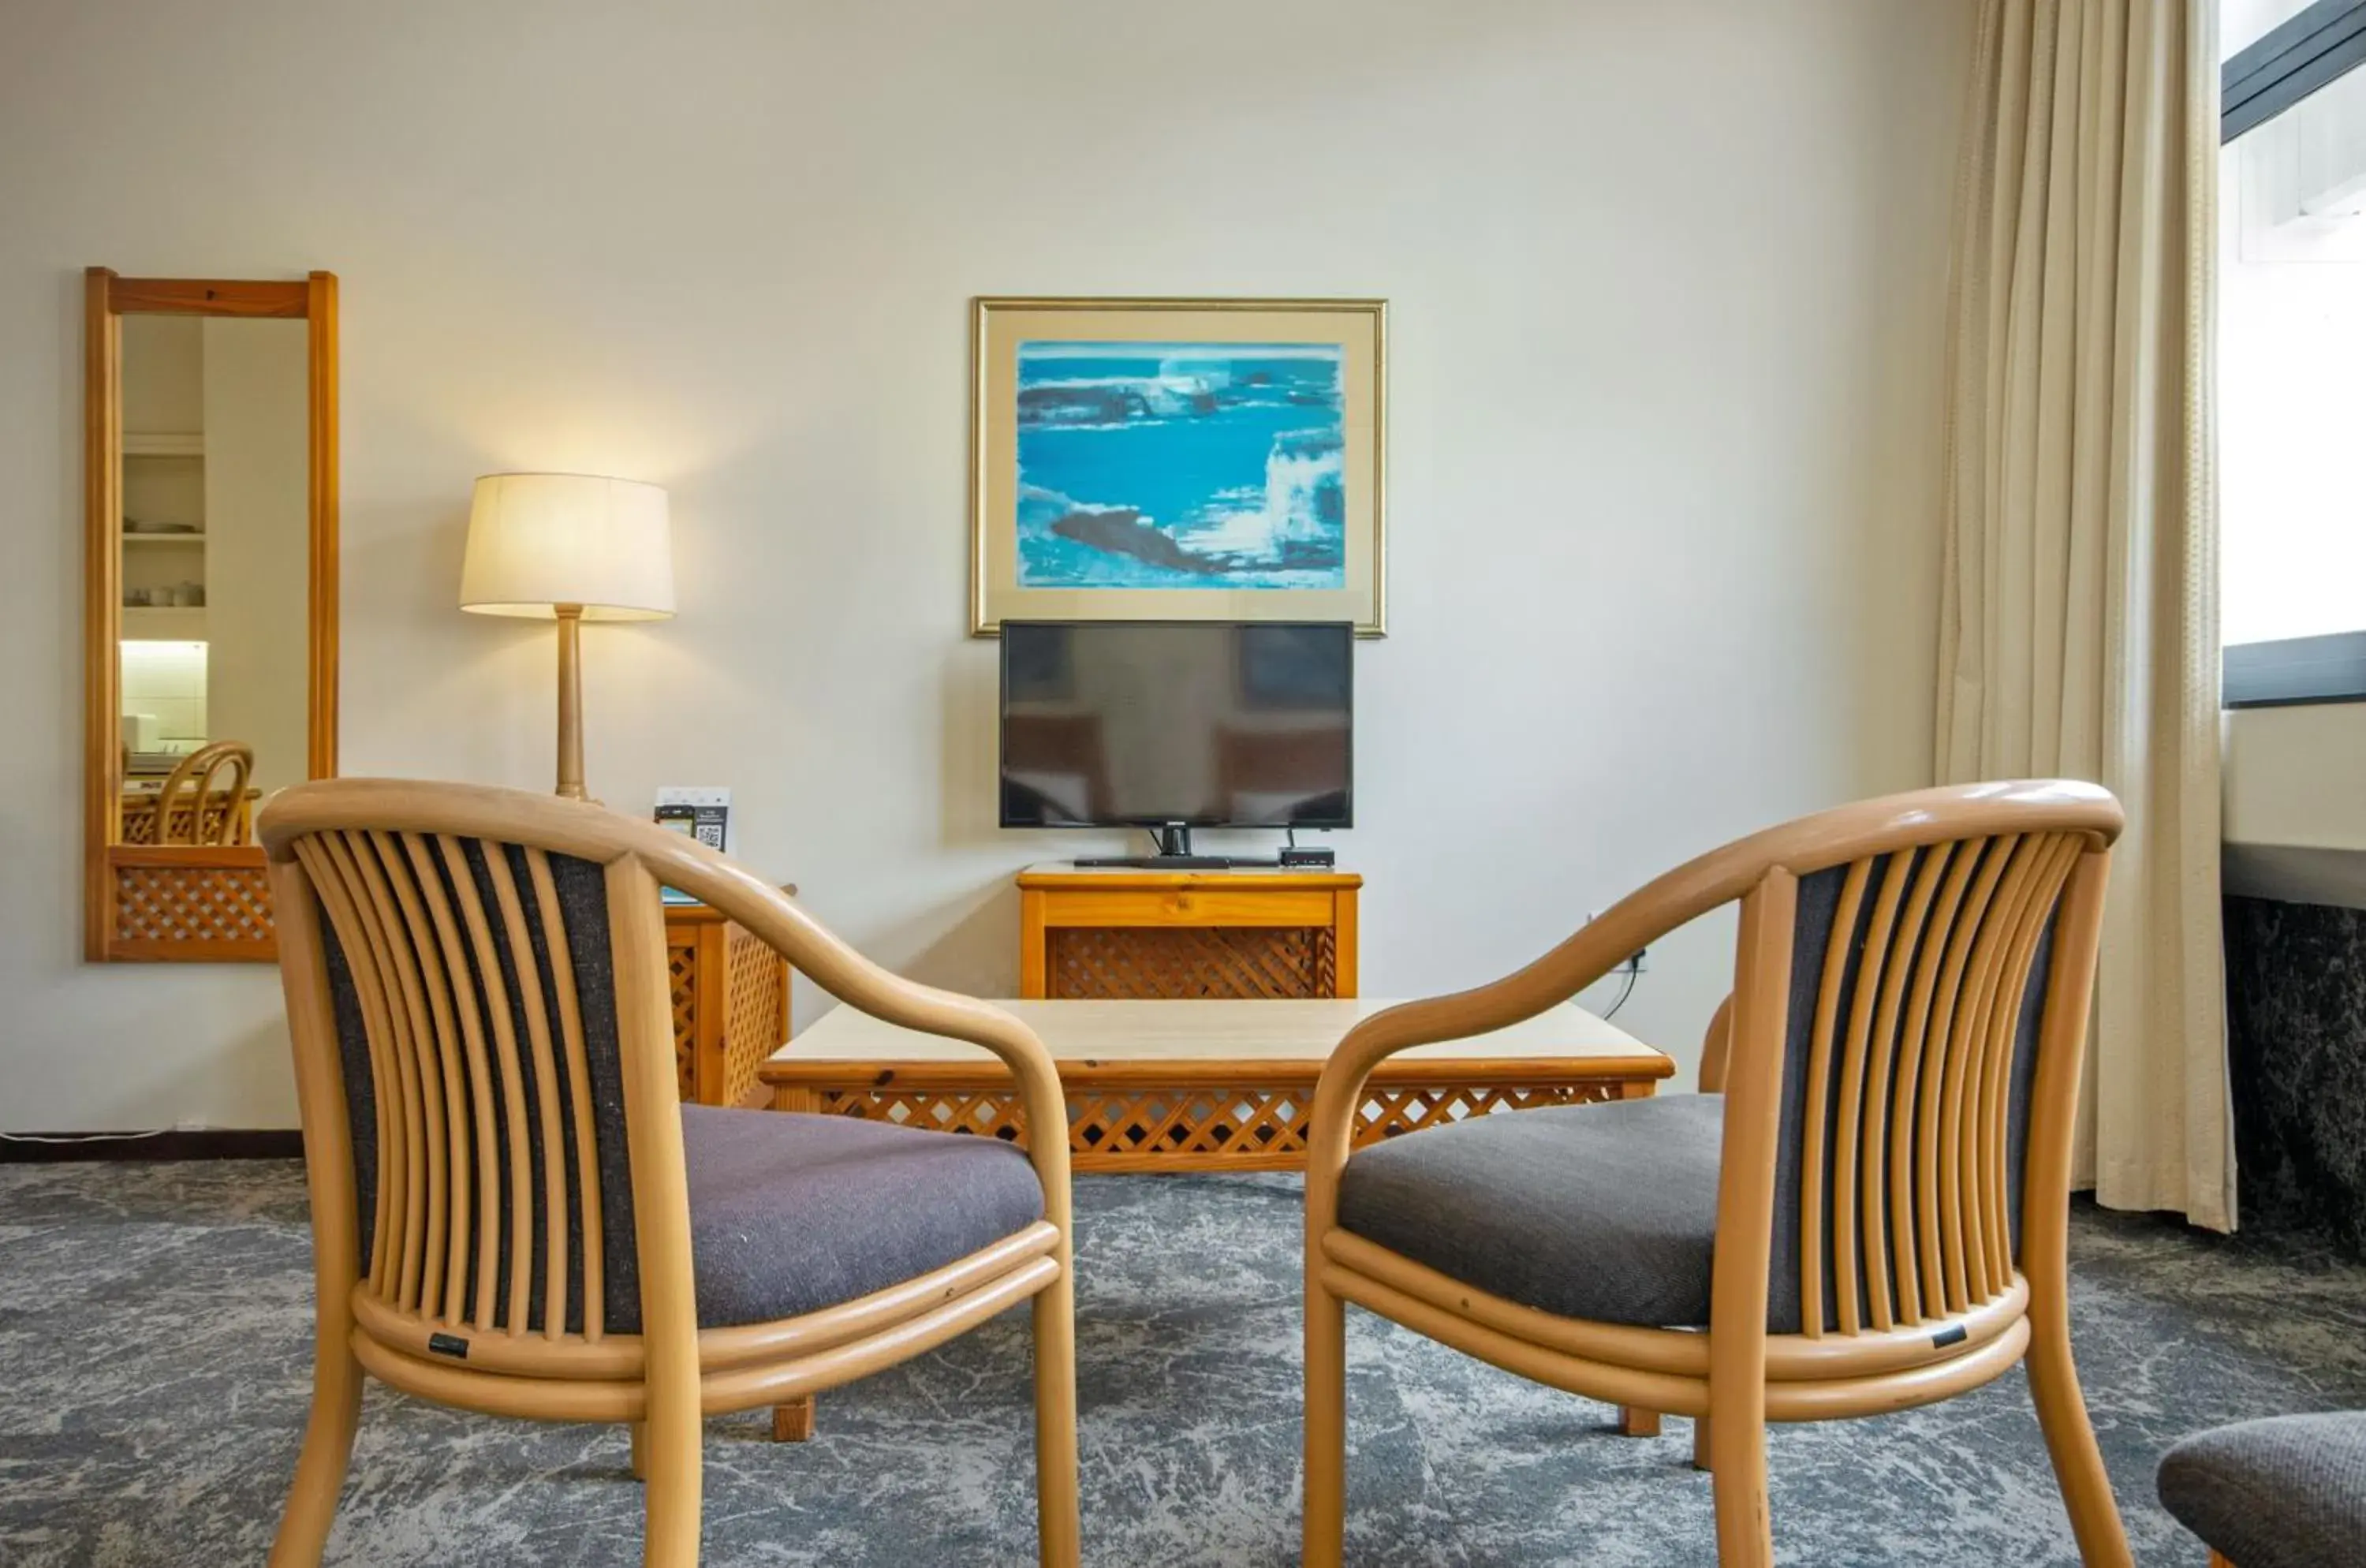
(1178, 459)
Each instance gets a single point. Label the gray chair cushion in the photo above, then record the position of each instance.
(790, 1213)
(1605, 1212)
(2286, 1492)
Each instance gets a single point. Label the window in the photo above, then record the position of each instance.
(2292, 350)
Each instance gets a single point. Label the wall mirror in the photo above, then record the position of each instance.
(210, 633)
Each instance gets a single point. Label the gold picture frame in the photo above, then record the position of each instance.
(1218, 459)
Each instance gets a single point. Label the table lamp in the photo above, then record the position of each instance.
(569, 547)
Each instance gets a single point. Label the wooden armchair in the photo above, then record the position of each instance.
(1872, 1216)
(189, 807)
(513, 1213)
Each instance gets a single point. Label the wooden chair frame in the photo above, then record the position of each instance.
(195, 773)
(1736, 1376)
(329, 845)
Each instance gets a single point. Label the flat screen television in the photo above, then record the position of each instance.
(1178, 724)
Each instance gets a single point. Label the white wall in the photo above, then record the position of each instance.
(1666, 283)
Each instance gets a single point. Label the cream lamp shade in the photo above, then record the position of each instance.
(539, 541)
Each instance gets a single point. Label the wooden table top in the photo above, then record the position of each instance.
(1086, 1036)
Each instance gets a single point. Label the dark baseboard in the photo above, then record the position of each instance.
(192, 1142)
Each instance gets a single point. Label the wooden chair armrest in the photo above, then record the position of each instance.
(837, 968)
(1596, 950)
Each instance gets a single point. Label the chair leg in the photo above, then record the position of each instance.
(1737, 1450)
(792, 1422)
(1323, 1541)
(328, 1449)
(2071, 1436)
(1634, 1422)
(671, 1440)
(1700, 1444)
(640, 1430)
(1058, 1529)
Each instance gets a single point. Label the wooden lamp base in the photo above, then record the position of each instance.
(570, 700)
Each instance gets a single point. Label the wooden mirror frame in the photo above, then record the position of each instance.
(188, 903)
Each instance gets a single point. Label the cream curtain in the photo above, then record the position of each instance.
(2079, 619)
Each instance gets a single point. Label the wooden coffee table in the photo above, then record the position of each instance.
(1184, 1086)
(1181, 1086)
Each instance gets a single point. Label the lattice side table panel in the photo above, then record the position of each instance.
(1194, 1126)
(755, 992)
(175, 911)
(682, 977)
(1172, 963)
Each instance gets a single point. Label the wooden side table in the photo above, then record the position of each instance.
(1117, 933)
(730, 1006)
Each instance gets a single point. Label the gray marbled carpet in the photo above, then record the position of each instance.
(154, 1332)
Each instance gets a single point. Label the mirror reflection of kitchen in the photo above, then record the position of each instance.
(215, 554)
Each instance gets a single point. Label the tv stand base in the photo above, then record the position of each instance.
(1175, 853)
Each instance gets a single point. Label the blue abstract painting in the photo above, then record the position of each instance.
(1181, 465)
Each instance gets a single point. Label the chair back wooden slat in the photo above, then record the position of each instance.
(1948, 1055)
(1915, 1255)
(1941, 1236)
(357, 861)
(515, 1177)
(351, 953)
(583, 1127)
(1997, 1173)
(1837, 965)
(544, 1063)
(1886, 1291)
(442, 1081)
(474, 1220)
(442, 1088)
(1963, 1155)
(1848, 1262)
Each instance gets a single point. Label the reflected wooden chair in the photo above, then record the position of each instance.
(513, 1213)
(192, 807)
(1871, 1215)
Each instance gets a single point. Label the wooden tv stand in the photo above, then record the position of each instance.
(1117, 933)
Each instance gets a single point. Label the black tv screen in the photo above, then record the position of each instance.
(1214, 724)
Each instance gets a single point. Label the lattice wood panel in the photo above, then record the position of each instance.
(209, 911)
(1178, 962)
(1179, 1127)
(681, 975)
(137, 824)
(755, 1023)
